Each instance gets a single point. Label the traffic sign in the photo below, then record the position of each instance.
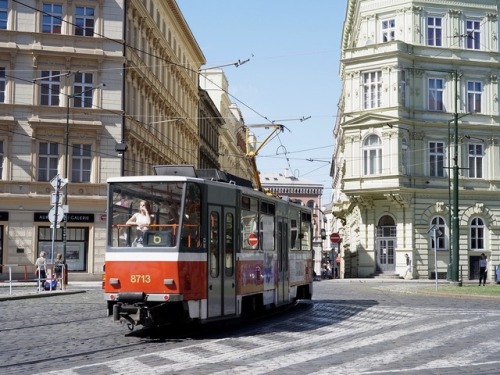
(253, 240)
(52, 215)
(56, 198)
(58, 180)
(335, 237)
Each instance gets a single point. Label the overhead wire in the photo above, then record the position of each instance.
(187, 68)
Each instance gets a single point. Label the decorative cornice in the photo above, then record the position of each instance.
(402, 200)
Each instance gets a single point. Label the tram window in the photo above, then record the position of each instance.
(229, 245)
(163, 228)
(294, 234)
(249, 230)
(214, 244)
(305, 231)
(267, 208)
(245, 202)
(192, 217)
(267, 232)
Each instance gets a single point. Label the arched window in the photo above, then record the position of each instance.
(439, 222)
(372, 155)
(476, 234)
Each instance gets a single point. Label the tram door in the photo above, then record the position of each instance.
(221, 273)
(282, 254)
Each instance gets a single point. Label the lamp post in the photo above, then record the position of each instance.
(66, 166)
(455, 246)
(455, 249)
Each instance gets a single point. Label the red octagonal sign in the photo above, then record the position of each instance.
(335, 237)
(253, 240)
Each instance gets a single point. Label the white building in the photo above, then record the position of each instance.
(411, 70)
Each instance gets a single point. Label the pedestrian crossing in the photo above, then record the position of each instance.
(373, 340)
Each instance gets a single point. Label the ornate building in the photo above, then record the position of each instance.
(416, 167)
(232, 145)
(88, 90)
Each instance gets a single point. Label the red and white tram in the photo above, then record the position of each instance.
(213, 249)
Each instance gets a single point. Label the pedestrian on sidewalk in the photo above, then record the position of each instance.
(58, 268)
(41, 270)
(483, 269)
(408, 265)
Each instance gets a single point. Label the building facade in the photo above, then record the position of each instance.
(232, 143)
(209, 123)
(60, 115)
(88, 90)
(416, 166)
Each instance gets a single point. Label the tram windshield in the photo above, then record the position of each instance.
(148, 214)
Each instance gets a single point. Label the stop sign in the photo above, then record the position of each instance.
(335, 237)
(252, 239)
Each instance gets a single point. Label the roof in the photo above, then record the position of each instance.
(280, 179)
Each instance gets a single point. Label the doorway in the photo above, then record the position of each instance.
(474, 267)
(386, 245)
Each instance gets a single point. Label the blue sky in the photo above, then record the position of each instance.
(292, 74)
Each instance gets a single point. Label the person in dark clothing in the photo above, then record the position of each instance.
(483, 269)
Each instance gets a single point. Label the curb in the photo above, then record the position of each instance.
(45, 294)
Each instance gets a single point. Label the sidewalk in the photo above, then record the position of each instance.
(24, 289)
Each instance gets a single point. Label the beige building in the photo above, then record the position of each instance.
(232, 143)
(88, 90)
(416, 167)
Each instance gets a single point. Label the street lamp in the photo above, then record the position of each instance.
(455, 251)
(66, 163)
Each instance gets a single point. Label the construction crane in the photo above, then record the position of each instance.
(253, 147)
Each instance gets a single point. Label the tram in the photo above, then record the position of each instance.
(214, 249)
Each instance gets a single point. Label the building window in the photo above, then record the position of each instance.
(4, 14)
(2, 85)
(1, 159)
(84, 21)
(476, 234)
(403, 77)
(372, 155)
(434, 31)
(436, 159)
(50, 87)
(81, 163)
(405, 157)
(436, 89)
(388, 30)
(372, 87)
(439, 224)
(48, 157)
(475, 160)
(474, 93)
(473, 35)
(51, 18)
(83, 90)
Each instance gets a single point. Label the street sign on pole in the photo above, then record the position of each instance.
(57, 182)
(54, 181)
(335, 237)
(52, 215)
(56, 198)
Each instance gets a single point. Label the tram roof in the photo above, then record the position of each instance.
(151, 178)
